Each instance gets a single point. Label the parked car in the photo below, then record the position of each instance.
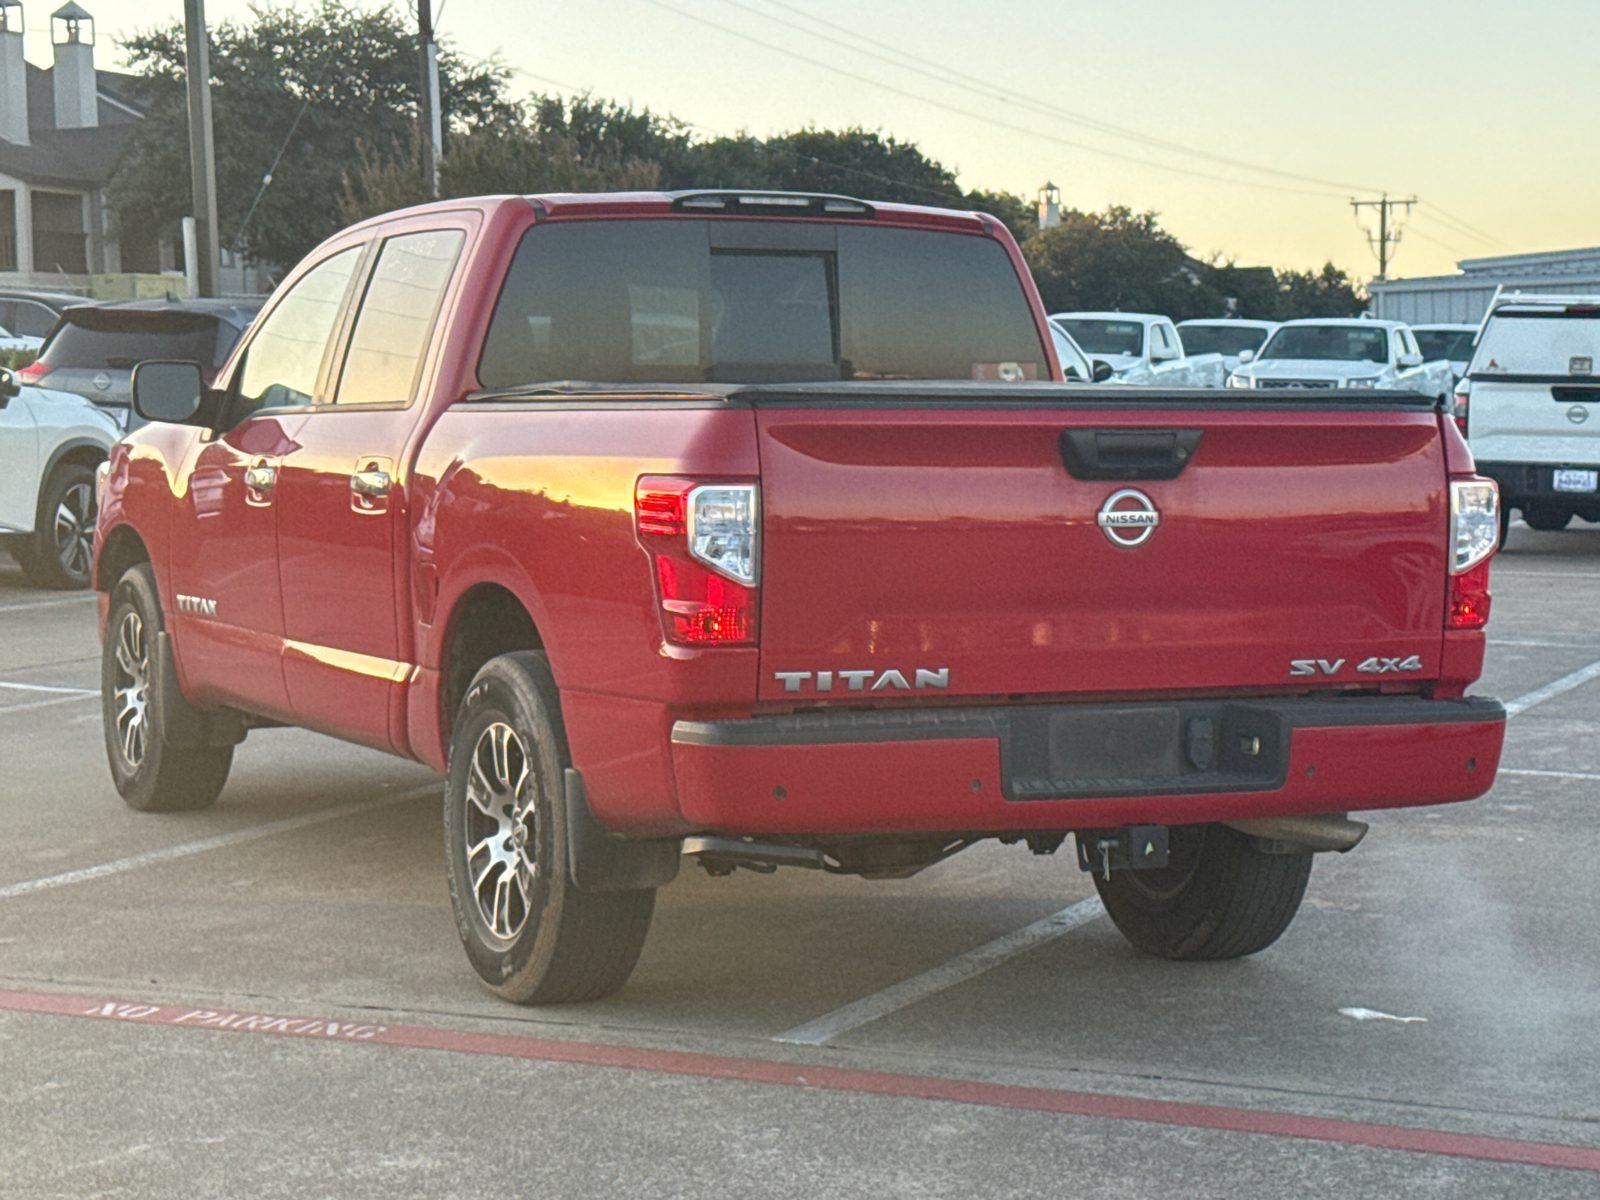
(1075, 364)
(50, 444)
(1231, 337)
(849, 580)
(1527, 402)
(94, 348)
(1348, 353)
(1447, 341)
(13, 341)
(1141, 348)
(33, 314)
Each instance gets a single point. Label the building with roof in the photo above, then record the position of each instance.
(1465, 297)
(61, 131)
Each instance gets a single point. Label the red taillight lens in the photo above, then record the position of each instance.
(1462, 402)
(703, 538)
(32, 373)
(1469, 598)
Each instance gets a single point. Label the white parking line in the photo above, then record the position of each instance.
(1544, 645)
(1543, 575)
(78, 599)
(12, 708)
(168, 853)
(1551, 690)
(1548, 774)
(39, 687)
(945, 975)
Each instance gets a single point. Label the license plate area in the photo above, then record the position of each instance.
(1066, 751)
(1567, 479)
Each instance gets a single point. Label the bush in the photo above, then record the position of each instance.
(11, 360)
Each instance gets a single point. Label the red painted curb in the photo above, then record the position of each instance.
(880, 1083)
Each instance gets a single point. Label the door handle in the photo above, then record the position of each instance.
(260, 477)
(371, 482)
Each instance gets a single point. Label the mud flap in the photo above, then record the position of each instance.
(599, 860)
(182, 725)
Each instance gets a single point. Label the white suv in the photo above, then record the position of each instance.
(1531, 405)
(50, 444)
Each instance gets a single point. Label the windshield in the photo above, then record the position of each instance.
(1454, 344)
(688, 300)
(1105, 337)
(1538, 341)
(1331, 343)
(1220, 339)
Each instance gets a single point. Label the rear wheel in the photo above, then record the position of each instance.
(532, 937)
(1218, 897)
(149, 774)
(61, 553)
(1546, 519)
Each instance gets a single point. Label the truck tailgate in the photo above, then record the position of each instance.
(943, 548)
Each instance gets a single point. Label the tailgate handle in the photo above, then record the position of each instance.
(1128, 453)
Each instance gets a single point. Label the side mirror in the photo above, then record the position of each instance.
(168, 391)
(1413, 359)
(1246, 356)
(1101, 370)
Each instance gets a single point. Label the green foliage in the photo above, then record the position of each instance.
(1118, 260)
(338, 77)
(15, 360)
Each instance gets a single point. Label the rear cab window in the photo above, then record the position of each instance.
(1555, 340)
(688, 300)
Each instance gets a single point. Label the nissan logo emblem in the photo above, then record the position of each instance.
(1128, 517)
(1577, 414)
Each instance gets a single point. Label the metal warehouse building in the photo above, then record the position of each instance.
(1465, 297)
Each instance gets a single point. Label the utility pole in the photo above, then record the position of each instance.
(429, 120)
(1384, 239)
(202, 154)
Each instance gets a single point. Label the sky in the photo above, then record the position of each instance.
(1247, 125)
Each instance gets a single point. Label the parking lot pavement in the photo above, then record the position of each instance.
(268, 997)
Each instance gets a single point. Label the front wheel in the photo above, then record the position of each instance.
(1219, 896)
(149, 774)
(532, 937)
(61, 554)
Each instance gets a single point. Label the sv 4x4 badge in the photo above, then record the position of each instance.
(1367, 666)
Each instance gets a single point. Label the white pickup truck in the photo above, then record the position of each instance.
(50, 444)
(1526, 401)
(1141, 348)
(1334, 352)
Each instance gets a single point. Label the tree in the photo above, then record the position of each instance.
(317, 86)
(1118, 260)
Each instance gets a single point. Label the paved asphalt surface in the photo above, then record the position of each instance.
(268, 999)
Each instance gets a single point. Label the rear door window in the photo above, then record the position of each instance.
(397, 313)
(1539, 341)
(687, 300)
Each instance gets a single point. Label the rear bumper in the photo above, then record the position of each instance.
(991, 770)
(1533, 483)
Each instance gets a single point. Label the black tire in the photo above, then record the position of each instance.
(61, 553)
(532, 937)
(1505, 525)
(1546, 519)
(149, 774)
(1218, 897)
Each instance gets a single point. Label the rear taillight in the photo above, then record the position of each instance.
(1460, 403)
(32, 373)
(704, 540)
(1474, 536)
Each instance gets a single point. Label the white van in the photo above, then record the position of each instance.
(1532, 405)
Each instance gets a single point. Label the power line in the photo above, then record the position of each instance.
(1033, 133)
(993, 91)
(1460, 226)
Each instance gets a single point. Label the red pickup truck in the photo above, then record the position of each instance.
(761, 529)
